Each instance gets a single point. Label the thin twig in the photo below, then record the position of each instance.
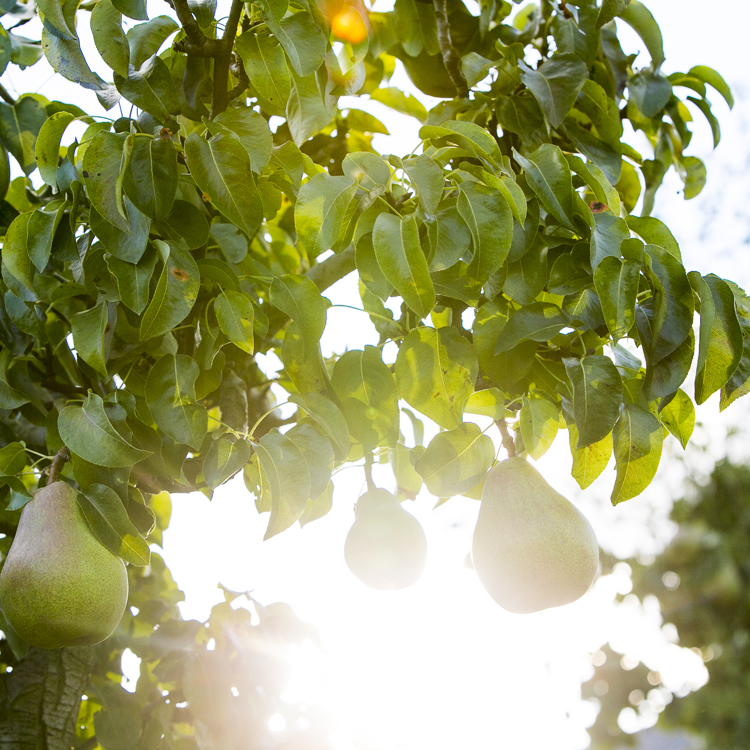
(451, 58)
(368, 473)
(508, 443)
(61, 457)
(5, 95)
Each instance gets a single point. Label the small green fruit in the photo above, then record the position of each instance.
(386, 547)
(532, 548)
(60, 586)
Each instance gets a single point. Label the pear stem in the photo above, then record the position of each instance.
(58, 461)
(508, 443)
(368, 472)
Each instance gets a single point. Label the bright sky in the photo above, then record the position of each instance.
(439, 665)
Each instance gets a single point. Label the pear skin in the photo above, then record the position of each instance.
(386, 547)
(60, 586)
(532, 549)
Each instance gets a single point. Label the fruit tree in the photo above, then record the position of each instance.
(149, 260)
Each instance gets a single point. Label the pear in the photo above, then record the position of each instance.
(532, 548)
(60, 586)
(386, 547)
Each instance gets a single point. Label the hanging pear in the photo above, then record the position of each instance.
(386, 547)
(532, 548)
(60, 586)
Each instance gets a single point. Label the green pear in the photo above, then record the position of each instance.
(532, 548)
(60, 586)
(386, 547)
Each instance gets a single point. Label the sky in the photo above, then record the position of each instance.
(439, 664)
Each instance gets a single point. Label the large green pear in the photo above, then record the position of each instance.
(532, 548)
(60, 586)
(386, 547)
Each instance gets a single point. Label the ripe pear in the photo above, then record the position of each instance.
(60, 586)
(386, 547)
(532, 548)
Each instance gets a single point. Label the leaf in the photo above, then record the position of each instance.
(435, 373)
(15, 254)
(150, 177)
(54, 17)
(467, 135)
(693, 173)
(407, 479)
(616, 284)
(111, 524)
(539, 420)
(234, 313)
(266, 67)
(640, 19)
(318, 507)
(253, 132)
(489, 218)
(135, 9)
(637, 439)
(712, 78)
(455, 461)
(650, 92)
(303, 41)
(449, 238)
(738, 384)
(548, 175)
(224, 459)
(610, 9)
(145, 39)
(556, 84)
(20, 124)
(175, 293)
(400, 101)
(321, 206)
(329, 419)
(678, 416)
(133, 280)
(109, 38)
(366, 169)
(489, 402)
(87, 431)
(307, 111)
(655, 232)
(47, 147)
(128, 246)
(400, 256)
(170, 395)
(597, 395)
(368, 397)
(151, 89)
(88, 329)
(609, 233)
(588, 462)
(299, 298)
(221, 169)
(539, 321)
(426, 177)
(102, 164)
(720, 341)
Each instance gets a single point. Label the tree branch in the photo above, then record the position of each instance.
(508, 443)
(332, 269)
(197, 41)
(58, 462)
(222, 59)
(6, 96)
(451, 58)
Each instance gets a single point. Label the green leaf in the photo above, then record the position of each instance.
(299, 298)
(616, 284)
(145, 39)
(307, 111)
(20, 124)
(597, 395)
(135, 9)
(170, 395)
(318, 507)
(109, 38)
(539, 321)
(467, 135)
(266, 67)
(150, 177)
(400, 101)
(489, 402)
(407, 479)
(15, 255)
(329, 419)
(655, 232)
(721, 345)
(321, 206)
(111, 524)
(610, 9)
(693, 173)
(539, 420)
(712, 78)
(253, 132)
(102, 164)
(400, 256)
(435, 373)
(449, 238)
(678, 416)
(556, 84)
(87, 431)
(548, 175)
(455, 461)
(426, 177)
(47, 147)
(224, 458)
(650, 92)
(366, 169)
(527, 277)
(221, 169)
(637, 439)
(234, 313)
(55, 18)
(302, 39)
(128, 246)
(151, 89)
(489, 218)
(640, 19)
(739, 384)
(88, 329)
(609, 233)
(133, 279)
(588, 462)
(175, 293)
(368, 397)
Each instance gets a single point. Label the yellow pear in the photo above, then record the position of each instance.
(60, 586)
(532, 548)
(386, 547)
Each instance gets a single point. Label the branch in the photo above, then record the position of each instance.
(451, 58)
(6, 96)
(238, 69)
(332, 269)
(58, 461)
(508, 443)
(196, 42)
(223, 58)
